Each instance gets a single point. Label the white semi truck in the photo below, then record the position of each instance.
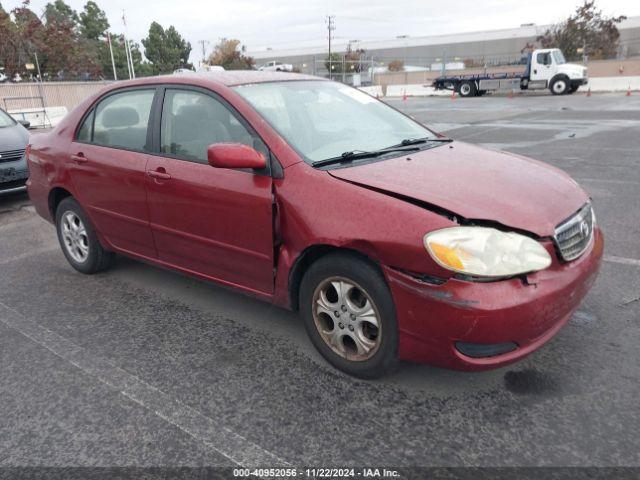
(545, 68)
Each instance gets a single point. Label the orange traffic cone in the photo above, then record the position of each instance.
(629, 91)
(589, 92)
(453, 94)
(510, 94)
(404, 95)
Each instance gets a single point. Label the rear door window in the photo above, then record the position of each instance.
(122, 119)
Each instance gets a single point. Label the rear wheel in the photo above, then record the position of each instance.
(467, 89)
(559, 86)
(78, 239)
(349, 315)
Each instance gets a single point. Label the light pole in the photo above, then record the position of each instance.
(113, 62)
(132, 71)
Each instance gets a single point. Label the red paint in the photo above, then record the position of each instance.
(478, 184)
(235, 155)
(247, 230)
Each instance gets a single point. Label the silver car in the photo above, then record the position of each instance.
(14, 138)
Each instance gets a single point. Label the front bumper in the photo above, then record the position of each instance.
(578, 82)
(433, 318)
(13, 176)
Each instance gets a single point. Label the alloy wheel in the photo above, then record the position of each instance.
(346, 318)
(74, 236)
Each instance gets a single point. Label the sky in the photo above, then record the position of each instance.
(289, 23)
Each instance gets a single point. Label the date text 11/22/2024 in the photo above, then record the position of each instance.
(316, 472)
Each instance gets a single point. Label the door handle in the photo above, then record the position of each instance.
(79, 158)
(159, 174)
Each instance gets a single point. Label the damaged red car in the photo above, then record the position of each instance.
(393, 242)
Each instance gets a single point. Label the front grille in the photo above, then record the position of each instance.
(574, 235)
(13, 184)
(11, 155)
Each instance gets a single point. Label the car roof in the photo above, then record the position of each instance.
(228, 78)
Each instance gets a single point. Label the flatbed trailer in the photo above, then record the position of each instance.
(545, 68)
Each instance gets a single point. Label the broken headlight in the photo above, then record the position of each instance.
(486, 252)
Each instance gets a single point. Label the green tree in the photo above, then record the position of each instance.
(354, 60)
(586, 29)
(10, 45)
(60, 13)
(31, 38)
(93, 21)
(228, 53)
(142, 68)
(166, 49)
(333, 63)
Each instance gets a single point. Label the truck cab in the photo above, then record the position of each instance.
(547, 68)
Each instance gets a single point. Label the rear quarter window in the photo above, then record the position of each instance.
(85, 132)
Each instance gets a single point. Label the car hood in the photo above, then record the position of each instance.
(477, 184)
(14, 137)
(574, 70)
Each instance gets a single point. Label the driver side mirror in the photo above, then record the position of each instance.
(235, 155)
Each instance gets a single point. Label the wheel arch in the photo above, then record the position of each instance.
(56, 195)
(557, 76)
(312, 254)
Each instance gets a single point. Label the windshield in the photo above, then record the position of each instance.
(5, 120)
(324, 119)
(558, 57)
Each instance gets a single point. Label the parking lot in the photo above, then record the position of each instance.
(140, 366)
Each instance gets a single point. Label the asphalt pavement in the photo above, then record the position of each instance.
(139, 366)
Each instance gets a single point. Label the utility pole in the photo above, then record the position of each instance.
(330, 20)
(204, 44)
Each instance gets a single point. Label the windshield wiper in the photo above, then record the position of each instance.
(346, 157)
(417, 141)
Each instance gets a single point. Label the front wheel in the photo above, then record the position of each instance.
(349, 314)
(559, 86)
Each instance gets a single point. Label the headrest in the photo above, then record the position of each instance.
(114, 117)
(193, 112)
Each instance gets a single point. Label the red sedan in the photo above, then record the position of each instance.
(392, 241)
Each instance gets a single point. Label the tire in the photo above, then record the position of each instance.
(573, 89)
(559, 86)
(366, 300)
(467, 89)
(78, 239)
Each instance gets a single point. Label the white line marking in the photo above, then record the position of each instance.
(623, 260)
(192, 422)
(606, 180)
(27, 254)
